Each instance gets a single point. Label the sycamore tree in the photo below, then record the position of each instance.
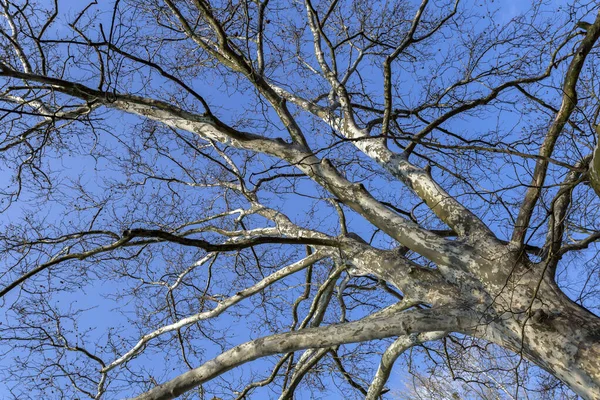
(279, 199)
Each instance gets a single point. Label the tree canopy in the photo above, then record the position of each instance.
(275, 199)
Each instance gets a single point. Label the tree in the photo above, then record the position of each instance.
(191, 185)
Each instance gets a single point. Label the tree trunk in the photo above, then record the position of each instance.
(558, 335)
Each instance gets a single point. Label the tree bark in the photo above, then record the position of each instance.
(594, 169)
(556, 334)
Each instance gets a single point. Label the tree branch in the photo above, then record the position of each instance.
(220, 308)
(378, 326)
(569, 102)
(390, 356)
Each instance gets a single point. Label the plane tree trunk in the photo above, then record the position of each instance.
(557, 335)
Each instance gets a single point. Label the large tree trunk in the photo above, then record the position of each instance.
(565, 340)
(518, 305)
(555, 333)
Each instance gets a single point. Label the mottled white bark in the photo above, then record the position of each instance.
(385, 324)
(557, 335)
(594, 169)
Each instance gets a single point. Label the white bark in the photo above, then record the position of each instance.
(220, 308)
(390, 356)
(594, 169)
(374, 327)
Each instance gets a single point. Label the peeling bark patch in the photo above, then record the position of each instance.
(590, 353)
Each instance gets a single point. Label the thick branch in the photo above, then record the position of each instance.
(375, 327)
(448, 209)
(569, 101)
(230, 245)
(420, 240)
(594, 169)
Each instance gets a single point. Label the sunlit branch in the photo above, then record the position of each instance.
(220, 308)
(390, 356)
(322, 171)
(377, 326)
(594, 169)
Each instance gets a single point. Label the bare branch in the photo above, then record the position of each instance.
(390, 356)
